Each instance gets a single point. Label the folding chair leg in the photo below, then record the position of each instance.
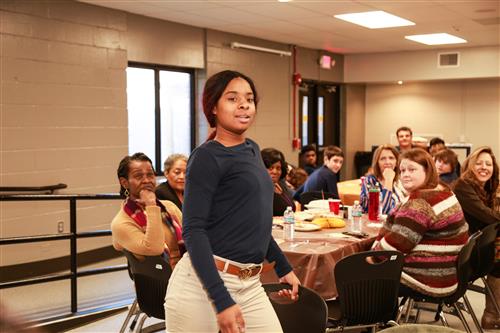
(130, 313)
(400, 309)
(417, 316)
(472, 314)
(134, 322)
(443, 318)
(439, 312)
(490, 293)
(141, 323)
(462, 318)
(408, 310)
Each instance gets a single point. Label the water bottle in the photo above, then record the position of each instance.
(373, 203)
(288, 224)
(357, 212)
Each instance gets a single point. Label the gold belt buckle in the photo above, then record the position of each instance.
(245, 273)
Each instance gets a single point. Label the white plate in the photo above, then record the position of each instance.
(303, 216)
(323, 204)
(317, 211)
(306, 227)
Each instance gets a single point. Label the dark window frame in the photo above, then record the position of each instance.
(157, 68)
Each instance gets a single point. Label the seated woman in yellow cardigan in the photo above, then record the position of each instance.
(144, 225)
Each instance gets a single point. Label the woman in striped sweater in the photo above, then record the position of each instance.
(384, 178)
(428, 227)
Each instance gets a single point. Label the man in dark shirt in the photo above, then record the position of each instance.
(309, 158)
(325, 178)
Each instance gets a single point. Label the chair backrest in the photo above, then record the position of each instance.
(484, 252)
(307, 197)
(368, 291)
(308, 314)
(150, 279)
(464, 269)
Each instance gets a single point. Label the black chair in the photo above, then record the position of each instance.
(307, 314)
(150, 280)
(367, 290)
(484, 261)
(307, 197)
(452, 301)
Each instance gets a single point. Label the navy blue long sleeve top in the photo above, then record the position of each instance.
(322, 179)
(227, 211)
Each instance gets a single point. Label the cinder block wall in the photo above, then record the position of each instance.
(63, 115)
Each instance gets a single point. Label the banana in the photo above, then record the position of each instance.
(329, 222)
(322, 222)
(336, 222)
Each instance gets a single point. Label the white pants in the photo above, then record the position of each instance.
(189, 309)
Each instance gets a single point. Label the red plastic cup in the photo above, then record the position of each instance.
(334, 206)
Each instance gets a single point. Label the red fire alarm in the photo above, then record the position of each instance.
(297, 78)
(296, 144)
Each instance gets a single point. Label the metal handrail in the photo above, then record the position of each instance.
(73, 235)
(48, 188)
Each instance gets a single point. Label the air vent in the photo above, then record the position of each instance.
(449, 59)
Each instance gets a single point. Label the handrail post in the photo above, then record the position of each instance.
(73, 252)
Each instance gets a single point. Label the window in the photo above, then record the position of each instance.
(160, 103)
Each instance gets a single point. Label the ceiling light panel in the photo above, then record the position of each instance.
(375, 19)
(436, 39)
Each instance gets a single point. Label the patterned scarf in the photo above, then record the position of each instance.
(136, 212)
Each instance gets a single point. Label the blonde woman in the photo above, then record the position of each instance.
(477, 190)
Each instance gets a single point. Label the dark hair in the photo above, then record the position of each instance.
(297, 177)
(124, 167)
(404, 128)
(423, 158)
(486, 193)
(271, 156)
(447, 156)
(307, 148)
(214, 87)
(436, 141)
(331, 151)
(376, 156)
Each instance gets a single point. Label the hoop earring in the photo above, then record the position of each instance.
(126, 192)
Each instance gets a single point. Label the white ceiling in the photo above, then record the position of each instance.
(310, 23)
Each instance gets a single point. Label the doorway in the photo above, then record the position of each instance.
(319, 112)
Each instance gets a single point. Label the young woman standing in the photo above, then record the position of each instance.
(227, 224)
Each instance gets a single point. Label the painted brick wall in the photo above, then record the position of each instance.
(63, 114)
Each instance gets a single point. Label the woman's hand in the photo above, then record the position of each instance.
(147, 198)
(389, 175)
(277, 188)
(231, 320)
(292, 280)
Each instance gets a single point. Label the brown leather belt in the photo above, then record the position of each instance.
(242, 273)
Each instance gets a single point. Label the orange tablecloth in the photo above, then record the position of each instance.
(349, 191)
(313, 256)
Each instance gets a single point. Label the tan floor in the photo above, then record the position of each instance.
(113, 324)
(52, 298)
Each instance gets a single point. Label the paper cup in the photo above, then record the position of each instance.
(334, 206)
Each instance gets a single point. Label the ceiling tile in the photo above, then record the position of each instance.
(310, 23)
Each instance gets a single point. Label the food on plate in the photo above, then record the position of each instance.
(306, 226)
(329, 222)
